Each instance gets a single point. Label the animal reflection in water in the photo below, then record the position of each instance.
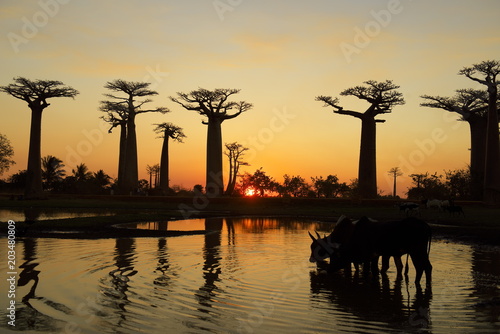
(374, 300)
(364, 240)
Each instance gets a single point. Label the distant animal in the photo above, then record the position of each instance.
(409, 207)
(454, 209)
(364, 240)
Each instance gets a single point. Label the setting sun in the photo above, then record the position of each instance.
(250, 192)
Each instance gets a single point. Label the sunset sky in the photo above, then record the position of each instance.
(281, 54)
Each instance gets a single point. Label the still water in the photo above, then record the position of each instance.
(249, 276)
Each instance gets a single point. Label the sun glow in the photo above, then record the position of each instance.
(250, 192)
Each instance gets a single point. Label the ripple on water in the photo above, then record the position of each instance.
(255, 280)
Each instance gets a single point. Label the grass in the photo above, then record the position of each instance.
(480, 223)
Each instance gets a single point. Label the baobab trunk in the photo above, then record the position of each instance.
(121, 158)
(131, 169)
(492, 161)
(33, 188)
(477, 156)
(214, 181)
(164, 182)
(367, 173)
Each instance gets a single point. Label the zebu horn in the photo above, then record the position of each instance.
(317, 234)
(311, 236)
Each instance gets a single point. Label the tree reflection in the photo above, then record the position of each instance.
(211, 265)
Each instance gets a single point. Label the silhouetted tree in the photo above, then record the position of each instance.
(486, 73)
(167, 131)
(235, 154)
(428, 187)
(394, 172)
(133, 107)
(472, 106)
(259, 181)
(295, 186)
(116, 115)
(81, 173)
(329, 187)
(52, 172)
(36, 93)
(6, 153)
(216, 107)
(101, 180)
(382, 97)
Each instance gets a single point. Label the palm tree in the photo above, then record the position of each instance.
(81, 173)
(52, 171)
(215, 106)
(36, 93)
(101, 179)
(167, 131)
(382, 97)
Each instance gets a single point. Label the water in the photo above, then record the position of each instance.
(253, 276)
(36, 214)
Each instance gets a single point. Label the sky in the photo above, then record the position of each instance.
(281, 54)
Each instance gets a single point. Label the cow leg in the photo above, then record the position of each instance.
(399, 266)
(374, 266)
(385, 264)
(421, 265)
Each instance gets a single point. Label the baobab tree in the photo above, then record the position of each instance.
(394, 172)
(235, 154)
(133, 107)
(36, 93)
(116, 115)
(486, 74)
(167, 131)
(215, 106)
(382, 97)
(472, 106)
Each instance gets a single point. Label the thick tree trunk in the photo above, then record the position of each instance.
(121, 158)
(164, 171)
(33, 188)
(131, 169)
(214, 180)
(367, 173)
(492, 162)
(477, 156)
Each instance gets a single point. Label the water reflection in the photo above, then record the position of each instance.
(373, 300)
(228, 280)
(211, 266)
(116, 285)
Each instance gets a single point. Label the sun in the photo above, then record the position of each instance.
(250, 192)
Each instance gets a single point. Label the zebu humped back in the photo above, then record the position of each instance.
(371, 239)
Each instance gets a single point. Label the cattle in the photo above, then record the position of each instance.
(409, 207)
(363, 241)
(452, 209)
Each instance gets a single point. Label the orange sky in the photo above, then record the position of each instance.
(281, 55)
